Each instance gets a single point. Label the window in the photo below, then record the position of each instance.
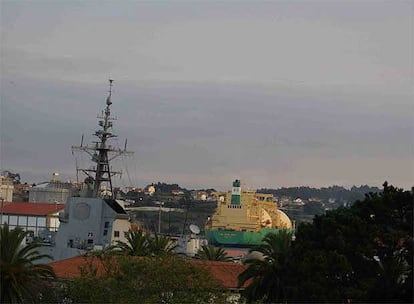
(106, 224)
(22, 221)
(116, 233)
(41, 222)
(105, 232)
(31, 221)
(53, 224)
(13, 220)
(4, 219)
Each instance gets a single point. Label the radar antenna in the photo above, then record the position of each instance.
(100, 151)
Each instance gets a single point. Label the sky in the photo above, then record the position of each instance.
(277, 94)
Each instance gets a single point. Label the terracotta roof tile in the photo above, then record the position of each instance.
(70, 268)
(225, 272)
(31, 208)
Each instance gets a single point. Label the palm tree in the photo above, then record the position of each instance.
(161, 245)
(209, 252)
(267, 269)
(137, 244)
(19, 273)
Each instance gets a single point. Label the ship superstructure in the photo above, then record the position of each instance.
(102, 153)
(244, 217)
(95, 220)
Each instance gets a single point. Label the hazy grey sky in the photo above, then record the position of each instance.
(281, 93)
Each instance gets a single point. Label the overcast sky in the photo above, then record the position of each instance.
(282, 93)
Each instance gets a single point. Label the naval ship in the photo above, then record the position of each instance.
(244, 217)
(95, 219)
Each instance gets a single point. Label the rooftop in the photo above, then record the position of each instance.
(225, 272)
(24, 208)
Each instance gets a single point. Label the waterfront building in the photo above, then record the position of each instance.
(6, 189)
(40, 219)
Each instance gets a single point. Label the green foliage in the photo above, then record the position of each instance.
(361, 254)
(313, 208)
(325, 193)
(166, 188)
(15, 177)
(209, 252)
(136, 245)
(161, 245)
(167, 279)
(20, 274)
(358, 254)
(268, 269)
(140, 243)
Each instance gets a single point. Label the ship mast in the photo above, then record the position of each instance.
(102, 153)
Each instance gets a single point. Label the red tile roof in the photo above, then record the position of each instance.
(225, 272)
(31, 208)
(70, 268)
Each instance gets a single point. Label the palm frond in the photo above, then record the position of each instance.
(20, 275)
(209, 252)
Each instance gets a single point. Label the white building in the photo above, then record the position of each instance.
(39, 218)
(53, 191)
(6, 189)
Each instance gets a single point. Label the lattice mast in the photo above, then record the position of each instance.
(102, 153)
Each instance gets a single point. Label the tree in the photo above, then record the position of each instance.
(362, 253)
(15, 177)
(19, 274)
(140, 243)
(137, 244)
(209, 252)
(161, 245)
(268, 270)
(166, 279)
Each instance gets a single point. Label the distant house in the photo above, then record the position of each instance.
(315, 199)
(218, 196)
(177, 192)
(332, 200)
(22, 188)
(34, 217)
(52, 191)
(139, 190)
(202, 195)
(150, 190)
(299, 201)
(199, 195)
(6, 188)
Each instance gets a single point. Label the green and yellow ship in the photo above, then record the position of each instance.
(243, 218)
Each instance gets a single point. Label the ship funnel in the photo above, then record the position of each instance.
(236, 193)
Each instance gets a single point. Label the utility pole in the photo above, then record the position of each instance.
(159, 217)
(1, 213)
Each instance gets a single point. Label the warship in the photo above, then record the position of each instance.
(95, 219)
(244, 217)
